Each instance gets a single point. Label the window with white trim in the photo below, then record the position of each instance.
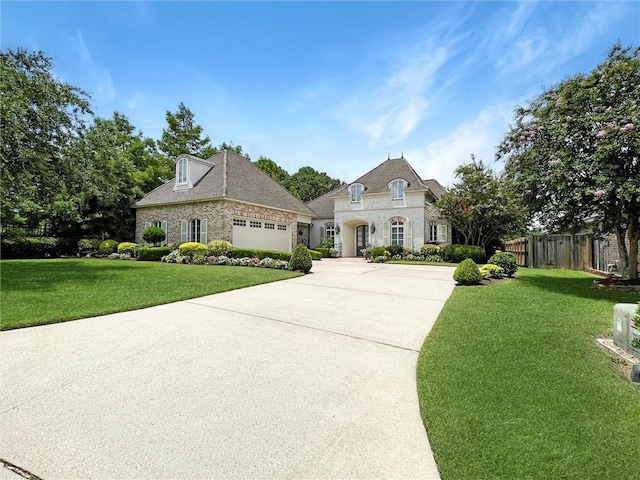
(329, 230)
(194, 230)
(443, 233)
(397, 190)
(433, 232)
(356, 193)
(269, 226)
(238, 222)
(182, 171)
(397, 233)
(254, 224)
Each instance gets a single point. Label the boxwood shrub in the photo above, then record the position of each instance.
(193, 248)
(458, 253)
(467, 273)
(219, 247)
(377, 252)
(152, 254)
(323, 251)
(127, 247)
(107, 247)
(301, 259)
(88, 246)
(506, 260)
(395, 249)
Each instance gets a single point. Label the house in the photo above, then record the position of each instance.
(390, 205)
(224, 197)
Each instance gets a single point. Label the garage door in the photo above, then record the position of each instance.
(254, 233)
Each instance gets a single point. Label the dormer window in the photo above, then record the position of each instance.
(356, 193)
(182, 171)
(397, 189)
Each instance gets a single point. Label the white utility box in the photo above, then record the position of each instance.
(624, 331)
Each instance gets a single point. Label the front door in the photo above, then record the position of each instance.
(362, 235)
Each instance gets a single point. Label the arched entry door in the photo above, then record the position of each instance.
(362, 237)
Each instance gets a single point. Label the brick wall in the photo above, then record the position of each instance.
(219, 215)
(611, 250)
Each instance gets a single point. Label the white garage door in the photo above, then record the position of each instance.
(254, 233)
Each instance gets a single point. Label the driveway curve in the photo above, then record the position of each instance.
(311, 377)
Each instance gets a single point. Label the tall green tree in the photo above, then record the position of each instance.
(39, 116)
(274, 170)
(183, 135)
(574, 152)
(310, 184)
(481, 206)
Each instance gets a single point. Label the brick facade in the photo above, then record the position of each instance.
(607, 252)
(219, 215)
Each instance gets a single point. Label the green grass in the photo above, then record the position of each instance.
(37, 292)
(513, 386)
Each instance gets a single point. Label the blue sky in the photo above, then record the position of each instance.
(334, 85)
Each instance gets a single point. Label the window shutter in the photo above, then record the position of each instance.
(408, 237)
(164, 228)
(442, 233)
(321, 233)
(203, 231)
(147, 224)
(386, 234)
(184, 229)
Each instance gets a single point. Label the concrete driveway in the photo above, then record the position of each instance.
(312, 377)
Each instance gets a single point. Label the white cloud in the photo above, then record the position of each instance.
(100, 85)
(478, 136)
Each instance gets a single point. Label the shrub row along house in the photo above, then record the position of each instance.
(227, 197)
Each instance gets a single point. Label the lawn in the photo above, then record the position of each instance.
(512, 384)
(37, 292)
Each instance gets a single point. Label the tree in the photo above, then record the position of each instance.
(310, 183)
(183, 135)
(275, 171)
(482, 207)
(40, 115)
(574, 152)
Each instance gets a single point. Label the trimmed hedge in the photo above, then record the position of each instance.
(219, 247)
(257, 253)
(301, 259)
(193, 248)
(107, 247)
(458, 253)
(152, 254)
(30, 247)
(323, 251)
(377, 252)
(127, 247)
(506, 260)
(395, 249)
(315, 255)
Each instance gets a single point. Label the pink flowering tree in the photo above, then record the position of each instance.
(574, 152)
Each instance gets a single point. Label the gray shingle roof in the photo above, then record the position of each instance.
(244, 182)
(377, 180)
(323, 205)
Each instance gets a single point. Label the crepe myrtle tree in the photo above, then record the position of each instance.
(574, 153)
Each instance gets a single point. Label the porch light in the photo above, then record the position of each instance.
(337, 228)
(373, 227)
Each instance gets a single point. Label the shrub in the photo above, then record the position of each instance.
(458, 253)
(174, 257)
(315, 255)
(219, 247)
(30, 247)
(153, 235)
(433, 258)
(192, 248)
(394, 249)
(324, 251)
(406, 252)
(430, 249)
(272, 263)
(506, 260)
(377, 252)
(152, 254)
(380, 259)
(88, 246)
(327, 242)
(301, 259)
(249, 252)
(107, 247)
(366, 252)
(467, 273)
(491, 271)
(127, 247)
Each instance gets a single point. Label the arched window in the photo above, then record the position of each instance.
(397, 233)
(182, 171)
(329, 230)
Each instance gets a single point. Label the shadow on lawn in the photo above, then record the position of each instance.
(45, 274)
(577, 286)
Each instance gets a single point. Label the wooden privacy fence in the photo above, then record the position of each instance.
(574, 252)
